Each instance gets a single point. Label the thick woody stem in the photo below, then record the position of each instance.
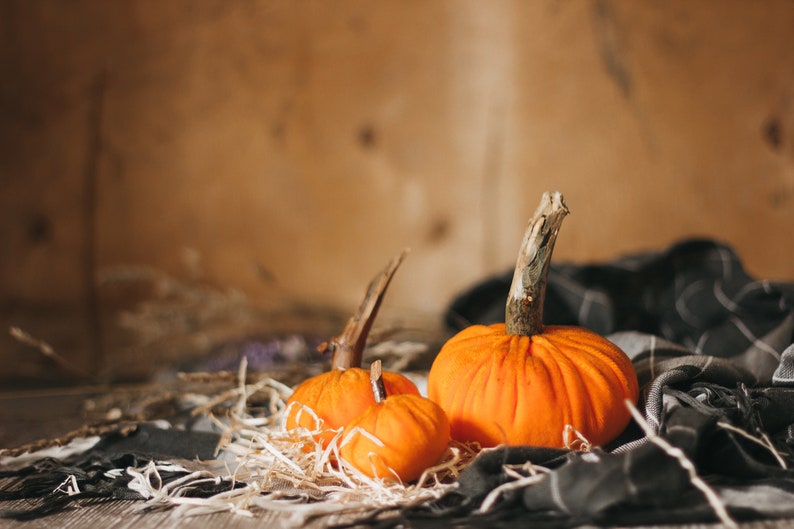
(376, 379)
(348, 347)
(524, 309)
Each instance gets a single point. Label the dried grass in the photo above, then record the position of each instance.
(290, 471)
(762, 440)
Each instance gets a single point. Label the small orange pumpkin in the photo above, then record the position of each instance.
(522, 383)
(338, 396)
(397, 437)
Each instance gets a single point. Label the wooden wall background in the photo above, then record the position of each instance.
(279, 152)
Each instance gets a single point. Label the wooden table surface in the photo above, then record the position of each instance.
(28, 416)
(123, 515)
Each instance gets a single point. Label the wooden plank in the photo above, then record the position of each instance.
(126, 515)
(28, 416)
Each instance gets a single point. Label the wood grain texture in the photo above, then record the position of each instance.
(286, 151)
(124, 515)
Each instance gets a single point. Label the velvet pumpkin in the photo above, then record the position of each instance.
(338, 396)
(412, 434)
(522, 383)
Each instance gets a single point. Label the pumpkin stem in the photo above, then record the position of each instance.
(524, 309)
(348, 347)
(376, 379)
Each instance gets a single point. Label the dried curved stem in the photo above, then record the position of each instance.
(348, 347)
(524, 308)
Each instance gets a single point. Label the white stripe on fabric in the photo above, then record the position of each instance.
(758, 344)
(555, 492)
(724, 300)
(681, 304)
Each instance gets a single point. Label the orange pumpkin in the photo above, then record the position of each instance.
(522, 383)
(327, 402)
(398, 437)
(336, 398)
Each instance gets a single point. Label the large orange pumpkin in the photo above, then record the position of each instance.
(397, 437)
(523, 383)
(327, 402)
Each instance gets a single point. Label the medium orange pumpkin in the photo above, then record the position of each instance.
(398, 437)
(522, 383)
(338, 396)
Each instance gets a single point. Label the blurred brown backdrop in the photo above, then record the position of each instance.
(277, 153)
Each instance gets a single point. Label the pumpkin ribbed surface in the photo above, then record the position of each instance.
(337, 397)
(414, 432)
(523, 390)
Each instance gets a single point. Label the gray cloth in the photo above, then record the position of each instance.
(784, 374)
(713, 352)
